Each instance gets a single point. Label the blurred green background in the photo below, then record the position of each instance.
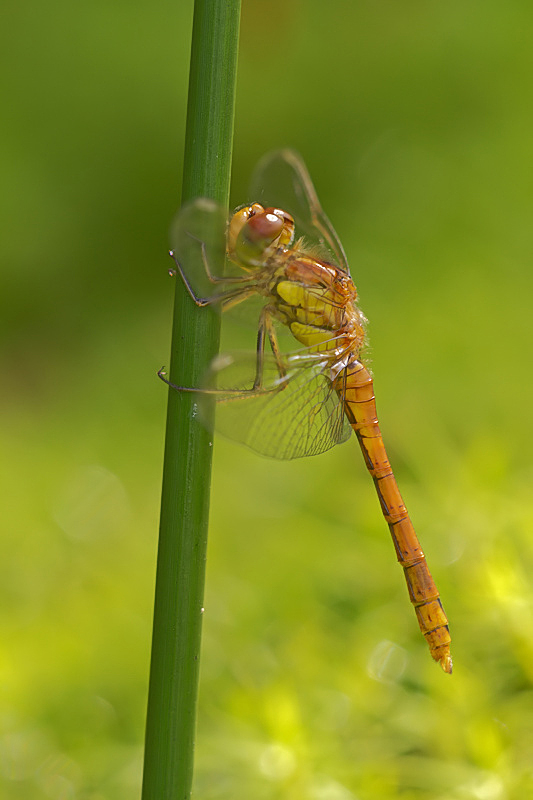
(415, 121)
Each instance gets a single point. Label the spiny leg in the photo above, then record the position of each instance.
(218, 278)
(205, 261)
(266, 327)
(228, 299)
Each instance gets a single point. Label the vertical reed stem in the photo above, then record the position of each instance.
(173, 692)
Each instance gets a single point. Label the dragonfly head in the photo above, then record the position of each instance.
(255, 233)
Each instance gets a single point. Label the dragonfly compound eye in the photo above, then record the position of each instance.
(287, 234)
(255, 233)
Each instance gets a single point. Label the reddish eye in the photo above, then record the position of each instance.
(264, 227)
(255, 232)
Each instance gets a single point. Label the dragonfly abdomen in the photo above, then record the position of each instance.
(355, 386)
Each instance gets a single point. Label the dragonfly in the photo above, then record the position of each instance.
(301, 402)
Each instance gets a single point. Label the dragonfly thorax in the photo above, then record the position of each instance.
(317, 303)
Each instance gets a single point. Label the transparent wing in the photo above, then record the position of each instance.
(297, 415)
(198, 236)
(281, 179)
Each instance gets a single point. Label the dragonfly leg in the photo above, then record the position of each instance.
(266, 328)
(235, 393)
(228, 299)
(219, 278)
(205, 261)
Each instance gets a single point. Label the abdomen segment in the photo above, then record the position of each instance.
(355, 386)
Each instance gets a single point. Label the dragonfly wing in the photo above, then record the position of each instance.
(281, 179)
(290, 417)
(197, 236)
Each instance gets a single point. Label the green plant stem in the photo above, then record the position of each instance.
(173, 692)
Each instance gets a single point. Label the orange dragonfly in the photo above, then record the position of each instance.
(300, 403)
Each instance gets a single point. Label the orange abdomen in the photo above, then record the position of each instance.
(357, 391)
